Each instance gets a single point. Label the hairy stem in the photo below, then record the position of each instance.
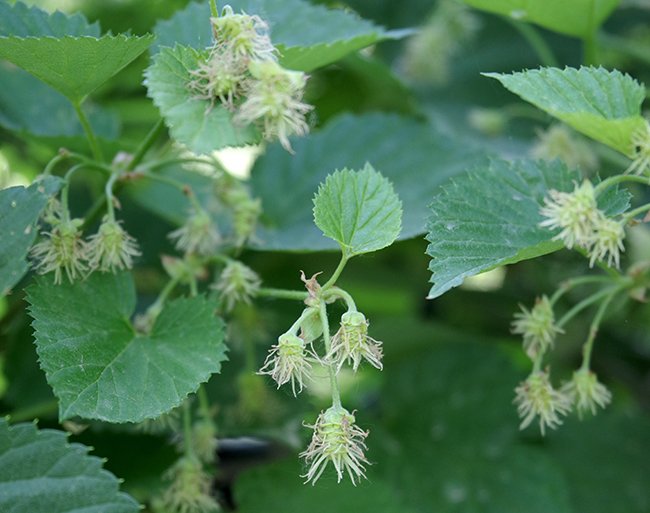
(95, 148)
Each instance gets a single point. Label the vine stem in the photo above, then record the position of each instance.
(614, 180)
(536, 41)
(150, 166)
(297, 295)
(337, 292)
(633, 213)
(593, 330)
(337, 272)
(95, 148)
(588, 301)
(575, 282)
(44, 409)
(146, 144)
(336, 395)
(187, 429)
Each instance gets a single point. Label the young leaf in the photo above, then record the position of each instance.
(414, 156)
(202, 127)
(322, 35)
(579, 18)
(22, 21)
(40, 472)
(20, 208)
(359, 210)
(74, 66)
(490, 217)
(604, 105)
(100, 368)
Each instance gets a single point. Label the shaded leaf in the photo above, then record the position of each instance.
(40, 472)
(359, 210)
(100, 368)
(322, 35)
(202, 127)
(414, 156)
(22, 21)
(20, 209)
(604, 105)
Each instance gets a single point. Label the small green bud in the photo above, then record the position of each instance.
(536, 397)
(586, 392)
(559, 142)
(238, 283)
(491, 122)
(111, 248)
(62, 251)
(351, 343)
(607, 241)
(198, 235)
(537, 326)
(189, 489)
(288, 360)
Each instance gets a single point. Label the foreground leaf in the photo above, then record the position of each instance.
(579, 18)
(414, 156)
(40, 472)
(74, 66)
(359, 210)
(202, 127)
(100, 368)
(490, 217)
(20, 209)
(604, 105)
(322, 35)
(22, 21)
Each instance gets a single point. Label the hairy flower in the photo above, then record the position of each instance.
(537, 326)
(246, 36)
(222, 76)
(62, 250)
(198, 234)
(351, 343)
(641, 142)
(558, 141)
(536, 397)
(274, 101)
(189, 489)
(111, 248)
(607, 241)
(586, 392)
(204, 439)
(237, 284)
(336, 439)
(576, 213)
(288, 360)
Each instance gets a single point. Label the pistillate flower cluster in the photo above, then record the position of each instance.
(241, 71)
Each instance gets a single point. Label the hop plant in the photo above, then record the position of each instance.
(537, 326)
(238, 283)
(62, 250)
(288, 360)
(607, 241)
(111, 248)
(189, 489)
(336, 439)
(204, 439)
(536, 397)
(245, 36)
(576, 213)
(274, 101)
(221, 76)
(351, 343)
(198, 235)
(586, 392)
(641, 142)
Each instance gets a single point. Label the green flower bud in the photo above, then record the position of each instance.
(536, 397)
(586, 392)
(288, 360)
(238, 283)
(111, 248)
(351, 343)
(62, 251)
(537, 326)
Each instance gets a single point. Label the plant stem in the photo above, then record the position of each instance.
(536, 41)
(340, 293)
(337, 272)
(108, 191)
(146, 144)
(614, 180)
(633, 213)
(53, 162)
(187, 429)
(150, 166)
(574, 282)
(298, 295)
(204, 401)
(336, 396)
(588, 301)
(32, 412)
(593, 330)
(307, 312)
(95, 148)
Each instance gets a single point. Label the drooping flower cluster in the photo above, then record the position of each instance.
(536, 397)
(537, 326)
(64, 251)
(289, 361)
(583, 224)
(351, 343)
(586, 392)
(199, 234)
(241, 71)
(559, 142)
(189, 489)
(337, 440)
(237, 283)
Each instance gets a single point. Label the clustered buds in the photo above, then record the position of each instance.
(198, 235)
(64, 251)
(189, 489)
(583, 225)
(289, 361)
(336, 439)
(238, 283)
(241, 71)
(641, 143)
(586, 392)
(537, 326)
(351, 343)
(536, 397)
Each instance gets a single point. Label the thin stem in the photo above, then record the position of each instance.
(575, 282)
(337, 272)
(194, 290)
(622, 45)
(593, 330)
(156, 164)
(298, 295)
(214, 12)
(633, 213)
(204, 402)
(185, 189)
(613, 180)
(306, 313)
(146, 144)
(95, 148)
(44, 409)
(337, 292)
(66, 188)
(537, 363)
(590, 50)
(164, 294)
(187, 429)
(336, 395)
(53, 162)
(536, 41)
(108, 191)
(588, 301)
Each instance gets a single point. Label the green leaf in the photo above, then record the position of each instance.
(359, 210)
(22, 21)
(74, 66)
(20, 113)
(40, 472)
(322, 35)
(580, 18)
(100, 368)
(414, 156)
(490, 217)
(604, 105)
(202, 127)
(20, 209)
